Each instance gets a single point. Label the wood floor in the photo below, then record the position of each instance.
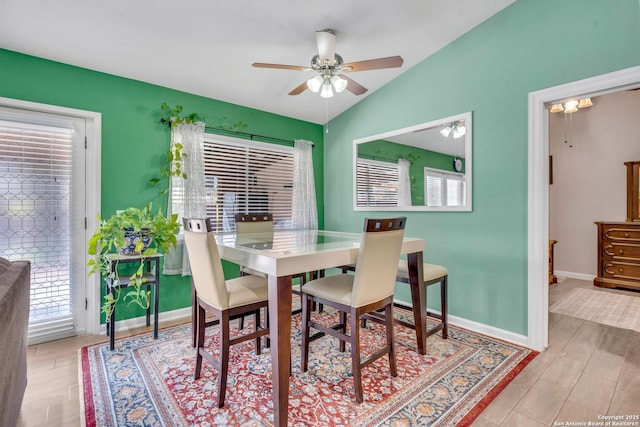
(588, 370)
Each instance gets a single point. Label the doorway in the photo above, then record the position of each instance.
(44, 209)
(538, 188)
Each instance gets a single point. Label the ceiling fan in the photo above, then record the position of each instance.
(328, 64)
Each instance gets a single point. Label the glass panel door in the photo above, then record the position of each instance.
(41, 210)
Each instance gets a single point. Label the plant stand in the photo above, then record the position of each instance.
(152, 276)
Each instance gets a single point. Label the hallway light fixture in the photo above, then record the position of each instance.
(571, 106)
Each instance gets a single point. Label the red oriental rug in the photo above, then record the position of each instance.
(147, 382)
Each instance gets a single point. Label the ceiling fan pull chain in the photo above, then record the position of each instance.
(326, 116)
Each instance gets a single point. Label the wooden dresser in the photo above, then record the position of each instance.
(618, 255)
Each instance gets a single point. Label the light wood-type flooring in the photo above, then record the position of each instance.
(588, 371)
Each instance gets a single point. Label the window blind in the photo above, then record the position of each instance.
(443, 188)
(376, 183)
(247, 177)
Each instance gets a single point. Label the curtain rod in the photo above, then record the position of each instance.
(250, 136)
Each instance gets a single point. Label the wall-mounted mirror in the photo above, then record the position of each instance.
(425, 167)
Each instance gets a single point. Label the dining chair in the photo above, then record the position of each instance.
(226, 299)
(431, 274)
(369, 289)
(261, 223)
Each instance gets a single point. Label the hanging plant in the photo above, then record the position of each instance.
(175, 156)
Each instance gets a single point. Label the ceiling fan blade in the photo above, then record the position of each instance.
(281, 66)
(352, 86)
(326, 40)
(299, 89)
(373, 64)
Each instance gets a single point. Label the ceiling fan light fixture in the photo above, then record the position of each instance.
(454, 129)
(459, 131)
(339, 84)
(326, 91)
(315, 83)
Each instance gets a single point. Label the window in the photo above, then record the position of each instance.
(443, 188)
(376, 183)
(247, 176)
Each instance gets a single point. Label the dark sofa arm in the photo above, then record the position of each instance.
(14, 324)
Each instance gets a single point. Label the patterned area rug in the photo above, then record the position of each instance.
(621, 311)
(147, 382)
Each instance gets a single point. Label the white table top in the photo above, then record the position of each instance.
(289, 252)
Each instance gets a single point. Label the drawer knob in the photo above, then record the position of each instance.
(621, 270)
(621, 252)
(626, 234)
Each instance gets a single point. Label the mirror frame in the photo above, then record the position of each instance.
(467, 118)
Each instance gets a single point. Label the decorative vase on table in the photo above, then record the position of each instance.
(131, 239)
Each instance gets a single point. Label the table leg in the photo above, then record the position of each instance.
(148, 318)
(111, 323)
(194, 314)
(418, 299)
(280, 333)
(147, 267)
(156, 299)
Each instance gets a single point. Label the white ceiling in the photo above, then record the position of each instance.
(207, 47)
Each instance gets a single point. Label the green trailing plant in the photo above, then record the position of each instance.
(136, 231)
(175, 156)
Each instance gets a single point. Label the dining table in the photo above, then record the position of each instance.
(284, 253)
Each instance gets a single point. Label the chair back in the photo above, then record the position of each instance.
(204, 260)
(254, 223)
(377, 262)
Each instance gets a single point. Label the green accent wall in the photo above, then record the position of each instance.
(133, 139)
(389, 151)
(529, 46)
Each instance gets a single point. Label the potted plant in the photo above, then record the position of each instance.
(136, 232)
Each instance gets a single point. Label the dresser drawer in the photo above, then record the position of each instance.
(620, 233)
(621, 270)
(621, 251)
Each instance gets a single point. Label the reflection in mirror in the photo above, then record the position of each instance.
(421, 167)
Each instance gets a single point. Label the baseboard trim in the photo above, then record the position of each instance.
(185, 314)
(491, 331)
(137, 322)
(571, 275)
(481, 328)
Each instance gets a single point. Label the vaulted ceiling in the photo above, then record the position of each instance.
(207, 47)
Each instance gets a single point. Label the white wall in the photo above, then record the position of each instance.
(589, 178)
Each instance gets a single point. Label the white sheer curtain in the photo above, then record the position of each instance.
(404, 183)
(305, 213)
(187, 197)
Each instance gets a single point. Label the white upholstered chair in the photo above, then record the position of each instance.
(368, 290)
(226, 299)
(260, 223)
(431, 274)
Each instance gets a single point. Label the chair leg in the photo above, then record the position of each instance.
(224, 357)
(388, 314)
(343, 321)
(256, 322)
(355, 356)
(199, 340)
(241, 323)
(443, 309)
(304, 347)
